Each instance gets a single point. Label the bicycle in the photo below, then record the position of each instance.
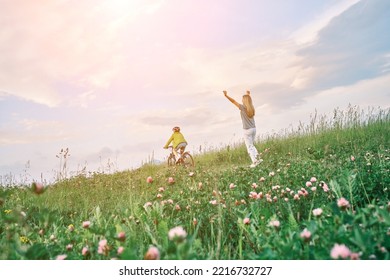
(185, 159)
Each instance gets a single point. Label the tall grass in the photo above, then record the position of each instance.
(228, 209)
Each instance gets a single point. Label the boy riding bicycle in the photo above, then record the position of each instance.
(178, 142)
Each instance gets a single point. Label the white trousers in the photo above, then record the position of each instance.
(249, 138)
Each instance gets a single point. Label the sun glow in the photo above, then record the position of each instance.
(132, 8)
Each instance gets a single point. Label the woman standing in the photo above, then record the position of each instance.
(248, 123)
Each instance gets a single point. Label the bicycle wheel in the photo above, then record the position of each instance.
(171, 160)
(187, 160)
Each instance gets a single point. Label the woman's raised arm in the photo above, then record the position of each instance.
(231, 99)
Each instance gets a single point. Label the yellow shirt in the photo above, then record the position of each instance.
(176, 139)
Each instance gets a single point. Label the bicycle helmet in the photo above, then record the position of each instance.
(176, 128)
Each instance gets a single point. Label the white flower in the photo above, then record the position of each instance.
(177, 233)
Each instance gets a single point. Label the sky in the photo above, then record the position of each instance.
(108, 79)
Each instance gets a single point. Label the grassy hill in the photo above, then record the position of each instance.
(322, 192)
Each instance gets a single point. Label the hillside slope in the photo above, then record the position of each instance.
(318, 191)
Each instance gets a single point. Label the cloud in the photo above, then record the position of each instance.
(27, 122)
(308, 33)
(103, 153)
(365, 93)
(348, 44)
(51, 47)
(190, 117)
(28, 131)
(352, 47)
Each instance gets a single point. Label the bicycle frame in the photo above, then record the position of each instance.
(185, 158)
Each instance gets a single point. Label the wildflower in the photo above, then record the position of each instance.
(213, 202)
(170, 201)
(191, 174)
(24, 239)
(296, 197)
(103, 247)
(188, 207)
(37, 188)
(313, 179)
(313, 189)
(85, 251)
(41, 232)
(71, 227)
(161, 189)
(340, 251)
(159, 195)
(308, 184)
(52, 237)
(152, 254)
(271, 174)
(149, 180)
(262, 179)
(286, 199)
(288, 190)
(317, 212)
(306, 234)
(246, 221)
(177, 207)
(69, 247)
(342, 203)
(194, 221)
(324, 186)
(200, 185)
(147, 204)
(232, 186)
(177, 233)
(275, 224)
(121, 236)
(61, 257)
(352, 158)
(8, 211)
(120, 250)
(86, 224)
(354, 256)
(171, 180)
(253, 195)
(254, 185)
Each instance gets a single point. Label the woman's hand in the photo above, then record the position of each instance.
(225, 92)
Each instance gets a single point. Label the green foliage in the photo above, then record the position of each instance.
(227, 209)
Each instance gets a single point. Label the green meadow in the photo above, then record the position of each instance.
(322, 192)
